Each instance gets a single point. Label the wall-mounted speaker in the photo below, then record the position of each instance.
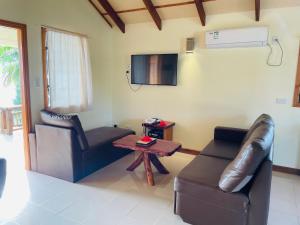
(190, 45)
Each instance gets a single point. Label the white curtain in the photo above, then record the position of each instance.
(69, 72)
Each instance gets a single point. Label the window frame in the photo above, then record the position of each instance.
(44, 61)
(46, 86)
(296, 102)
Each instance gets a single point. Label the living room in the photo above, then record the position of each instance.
(216, 87)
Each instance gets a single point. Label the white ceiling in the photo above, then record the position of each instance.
(211, 8)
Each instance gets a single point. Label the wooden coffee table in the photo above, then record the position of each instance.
(149, 154)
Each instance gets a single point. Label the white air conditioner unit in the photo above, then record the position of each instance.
(237, 38)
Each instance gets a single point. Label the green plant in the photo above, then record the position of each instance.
(10, 70)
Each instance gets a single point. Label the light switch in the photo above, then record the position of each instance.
(37, 82)
(281, 101)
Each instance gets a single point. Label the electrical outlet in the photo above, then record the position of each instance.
(128, 70)
(275, 39)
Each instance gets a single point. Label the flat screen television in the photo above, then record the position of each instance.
(154, 69)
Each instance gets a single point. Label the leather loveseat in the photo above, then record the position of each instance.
(62, 149)
(209, 191)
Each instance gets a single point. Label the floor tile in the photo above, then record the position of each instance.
(279, 218)
(9, 223)
(282, 189)
(34, 215)
(115, 196)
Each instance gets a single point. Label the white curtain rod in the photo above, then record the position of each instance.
(64, 31)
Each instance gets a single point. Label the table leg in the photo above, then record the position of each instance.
(158, 165)
(136, 163)
(148, 169)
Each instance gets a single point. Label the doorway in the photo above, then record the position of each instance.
(15, 115)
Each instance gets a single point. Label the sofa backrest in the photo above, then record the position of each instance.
(263, 118)
(253, 152)
(66, 121)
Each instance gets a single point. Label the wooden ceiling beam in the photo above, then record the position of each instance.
(100, 13)
(159, 6)
(257, 10)
(150, 7)
(201, 11)
(112, 13)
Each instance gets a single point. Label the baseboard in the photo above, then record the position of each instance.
(189, 151)
(288, 170)
(281, 169)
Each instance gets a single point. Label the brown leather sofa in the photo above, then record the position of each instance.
(2, 175)
(62, 149)
(199, 200)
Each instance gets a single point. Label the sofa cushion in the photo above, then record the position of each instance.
(263, 118)
(200, 179)
(66, 121)
(240, 171)
(105, 135)
(221, 149)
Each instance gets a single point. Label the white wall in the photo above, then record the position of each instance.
(216, 87)
(229, 87)
(77, 16)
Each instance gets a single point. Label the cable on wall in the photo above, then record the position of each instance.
(129, 84)
(271, 52)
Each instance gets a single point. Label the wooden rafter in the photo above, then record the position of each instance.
(150, 7)
(100, 13)
(257, 10)
(158, 7)
(112, 13)
(201, 11)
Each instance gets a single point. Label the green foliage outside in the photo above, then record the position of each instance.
(10, 70)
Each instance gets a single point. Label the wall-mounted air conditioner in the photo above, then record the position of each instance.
(235, 38)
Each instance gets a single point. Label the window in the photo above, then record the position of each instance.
(297, 85)
(67, 71)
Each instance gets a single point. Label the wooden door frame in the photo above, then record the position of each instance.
(296, 102)
(25, 87)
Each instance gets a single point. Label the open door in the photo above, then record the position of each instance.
(7, 117)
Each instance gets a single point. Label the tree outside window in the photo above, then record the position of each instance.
(10, 71)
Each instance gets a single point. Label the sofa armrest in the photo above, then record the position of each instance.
(2, 175)
(230, 134)
(58, 152)
(259, 195)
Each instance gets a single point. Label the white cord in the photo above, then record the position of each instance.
(271, 52)
(129, 84)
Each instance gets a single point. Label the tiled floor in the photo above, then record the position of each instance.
(116, 197)
(285, 200)
(109, 196)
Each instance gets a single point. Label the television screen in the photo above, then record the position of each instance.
(159, 69)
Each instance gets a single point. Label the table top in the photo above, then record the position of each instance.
(161, 147)
(168, 124)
